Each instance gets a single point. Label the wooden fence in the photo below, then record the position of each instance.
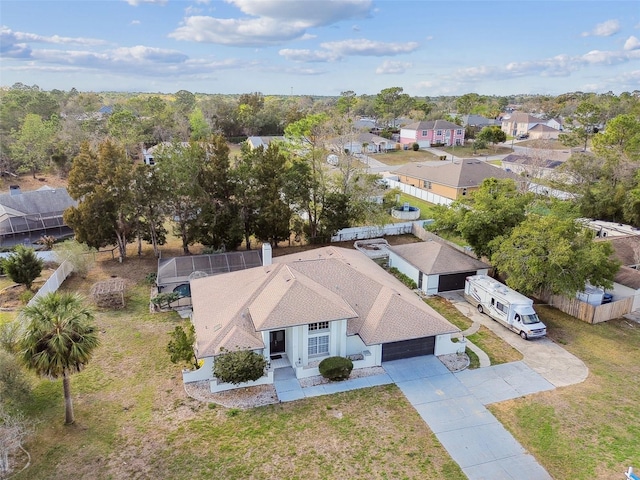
(592, 313)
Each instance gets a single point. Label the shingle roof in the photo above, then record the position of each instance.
(541, 127)
(629, 277)
(525, 160)
(626, 248)
(435, 258)
(459, 174)
(432, 125)
(324, 284)
(44, 200)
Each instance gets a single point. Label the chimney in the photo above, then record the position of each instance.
(14, 190)
(266, 254)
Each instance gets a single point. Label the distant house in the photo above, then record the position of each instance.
(434, 266)
(427, 134)
(530, 167)
(519, 123)
(25, 217)
(255, 142)
(543, 132)
(478, 121)
(149, 154)
(452, 180)
(309, 306)
(361, 143)
(627, 279)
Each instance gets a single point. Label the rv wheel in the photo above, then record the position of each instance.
(523, 334)
(480, 309)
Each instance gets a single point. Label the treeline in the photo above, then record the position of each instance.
(207, 197)
(43, 130)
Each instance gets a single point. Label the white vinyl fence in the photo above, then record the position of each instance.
(361, 233)
(54, 281)
(419, 193)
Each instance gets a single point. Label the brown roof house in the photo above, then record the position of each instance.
(452, 180)
(627, 279)
(310, 305)
(435, 266)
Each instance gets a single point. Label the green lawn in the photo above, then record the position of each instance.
(426, 208)
(590, 430)
(134, 420)
(400, 157)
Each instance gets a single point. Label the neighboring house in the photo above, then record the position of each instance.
(543, 132)
(609, 229)
(478, 121)
(174, 273)
(434, 266)
(518, 123)
(25, 217)
(436, 132)
(356, 144)
(255, 142)
(311, 305)
(452, 180)
(365, 123)
(530, 167)
(150, 153)
(627, 250)
(627, 280)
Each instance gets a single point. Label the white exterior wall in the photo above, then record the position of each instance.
(445, 346)
(621, 291)
(408, 133)
(430, 284)
(403, 266)
(205, 372)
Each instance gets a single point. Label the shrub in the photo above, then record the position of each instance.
(336, 368)
(239, 366)
(80, 255)
(23, 266)
(403, 278)
(150, 278)
(164, 300)
(26, 296)
(415, 147)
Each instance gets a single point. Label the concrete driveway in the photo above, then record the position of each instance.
(473, 437)
(545, 357)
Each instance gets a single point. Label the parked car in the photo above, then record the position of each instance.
(522, 136)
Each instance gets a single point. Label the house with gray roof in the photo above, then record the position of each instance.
(531, 166)
(363, 142)
(25, 217)
(307, 306)
(452, 180)
(434, 266)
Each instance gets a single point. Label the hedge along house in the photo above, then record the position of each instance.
(311, 305)
(175, 273)
(434, 266)
(25, 217)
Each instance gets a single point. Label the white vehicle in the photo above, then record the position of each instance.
(510, 308)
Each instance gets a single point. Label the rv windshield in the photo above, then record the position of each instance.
(530, 319)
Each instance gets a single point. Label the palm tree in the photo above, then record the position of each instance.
(59, 339)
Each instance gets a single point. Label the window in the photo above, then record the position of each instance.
(424, 133)
(426, 184)
(318, 326)
(318, 345)
(439, 132)
(464, 191)
(501, 307)
(458, 132)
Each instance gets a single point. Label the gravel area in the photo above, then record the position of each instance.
(248, 397)
(455, 362)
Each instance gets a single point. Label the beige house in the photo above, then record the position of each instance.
(311, 305)
(452, 180)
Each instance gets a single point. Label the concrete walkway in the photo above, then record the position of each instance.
(483, 358)
(550, 360)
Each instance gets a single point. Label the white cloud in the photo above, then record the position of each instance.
(269, 22)
(604, 29)
(135, 3)
(9, 35)
(632, 43)
(390, 67)
(135, 22)
(333, 51)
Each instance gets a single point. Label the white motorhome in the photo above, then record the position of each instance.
(510, 308)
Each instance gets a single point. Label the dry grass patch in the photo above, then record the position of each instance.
(590, 430)
(401, 157)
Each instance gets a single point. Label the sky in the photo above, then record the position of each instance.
(322, 47)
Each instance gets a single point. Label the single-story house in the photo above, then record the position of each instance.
(25, 217)
(530, 167)
(452, 180)
(543, 132)
(174, 273)
(434, 266)
(436, 132)
(519, 123)
(361, 143)
(478, 121)
(148, 154)
(307, 306)
(627, 249)
(264, 141)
